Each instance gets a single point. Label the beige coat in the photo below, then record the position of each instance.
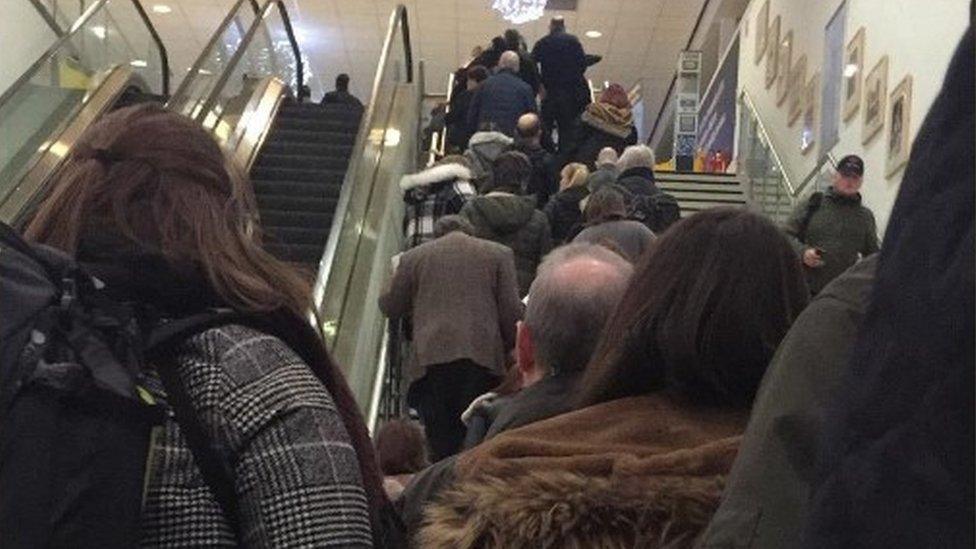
(462, 294)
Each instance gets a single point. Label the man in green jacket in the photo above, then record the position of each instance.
(832, 230)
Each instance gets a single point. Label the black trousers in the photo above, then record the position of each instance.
(442, 395)
(560, 109)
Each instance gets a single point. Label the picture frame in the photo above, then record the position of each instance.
(772, 59)
(762, 28)
(853, 75)
(811, 114)
(798, 76)
(899, 116)
(785, 52)
(875, 96)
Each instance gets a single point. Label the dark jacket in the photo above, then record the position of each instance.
(841, 227)
(501, 100)
(897, 467)
(439, 283)
(564, 213)
(529, 71)
(766, 499)
(513, 221)
(544, 181)
(563, 61)
(645, 202)
(629, 237)
(483, 149)
(430, 195)
(458, 130)
(342, 98)
(600, 126)
(600, 177)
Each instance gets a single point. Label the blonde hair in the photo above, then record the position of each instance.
(573, 175)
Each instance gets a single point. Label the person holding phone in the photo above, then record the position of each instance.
(832, 230)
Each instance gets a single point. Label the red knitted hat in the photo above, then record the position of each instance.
(615, 95)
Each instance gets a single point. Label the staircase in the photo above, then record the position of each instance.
(298, 175)
(700, 191)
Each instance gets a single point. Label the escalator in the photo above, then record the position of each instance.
(324, 176)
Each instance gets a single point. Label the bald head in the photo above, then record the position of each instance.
(529, 127)
(509, 61)
(576, 288)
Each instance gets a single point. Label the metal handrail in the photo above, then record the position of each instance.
(58, 44)
(209, 47)
(299, 64)
(398, 19)
(747, 101)
(48, 17)
(163, 54)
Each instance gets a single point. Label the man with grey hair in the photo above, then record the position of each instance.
(503, 98)
(575, 291)
(646, 203)
(462, 295)
(605, 172)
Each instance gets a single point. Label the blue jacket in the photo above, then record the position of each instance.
(501, 100)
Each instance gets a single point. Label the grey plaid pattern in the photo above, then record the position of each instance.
(279, 433)
(423, 209)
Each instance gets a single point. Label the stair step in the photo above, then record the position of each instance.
(269, 173)
(274, 219)
(303, 204)
(318, 124)
(298, 188)
(333, 112)
(297, 161)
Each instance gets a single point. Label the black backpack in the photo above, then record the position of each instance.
(816, 199)
(657, 211)
(75, 426)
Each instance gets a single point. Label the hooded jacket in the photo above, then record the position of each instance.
(646, 203)
(431, 194)
(483, 149)
(513, 221)
(602, 125)
(544, 181)
(633, 472)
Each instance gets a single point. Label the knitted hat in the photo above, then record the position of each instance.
(615, 95)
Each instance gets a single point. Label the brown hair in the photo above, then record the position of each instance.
(705, 310)
(401, 447)
(606, 204)
(160, 182)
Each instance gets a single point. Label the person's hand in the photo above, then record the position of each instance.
(812, 259)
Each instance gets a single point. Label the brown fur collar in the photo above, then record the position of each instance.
(561, 509)
(610, 119)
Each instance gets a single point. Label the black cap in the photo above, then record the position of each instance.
(851, 165)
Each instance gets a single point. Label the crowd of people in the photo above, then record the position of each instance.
(591, 370)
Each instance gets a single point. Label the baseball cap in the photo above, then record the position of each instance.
(851, 165)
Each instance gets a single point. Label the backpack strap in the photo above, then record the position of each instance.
(816, 199)
(162, 347)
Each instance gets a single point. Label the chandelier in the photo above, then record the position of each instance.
(519, 11)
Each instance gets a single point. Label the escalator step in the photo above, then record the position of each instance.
(318, 125)
(305, 162)
(268, 173)
(272, 219)
(308, 149)
(326, 112)
(297, 188)
(308, 254)
(297, 235)
(298, 204)
(311, 137)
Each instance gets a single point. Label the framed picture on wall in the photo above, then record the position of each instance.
(811, 114)
(875, 94)
(899, 118)
(785, 59)
(798, 76)
(773, 58)
(762, 28)
(687, 123)
(853, 74)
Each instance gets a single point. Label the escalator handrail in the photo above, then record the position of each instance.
(58, 44)
(296, 51)
(211, 44)
(397, 19)
(163, 54)
(224, 77)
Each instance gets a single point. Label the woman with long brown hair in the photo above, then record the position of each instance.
(664, 402)
(148, 204)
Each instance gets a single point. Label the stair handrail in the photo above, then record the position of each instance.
(65, 39)
(746, 101)
(397, 19)
(235, 59)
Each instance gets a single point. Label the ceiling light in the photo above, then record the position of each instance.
(99, 31)
(593, 34)
(138, 63)
(850, 70)
(161, 8)
(519, 11)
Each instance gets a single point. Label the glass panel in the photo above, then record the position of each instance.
(760, 170)
(36, 109)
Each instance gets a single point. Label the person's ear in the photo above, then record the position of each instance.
(524, 351)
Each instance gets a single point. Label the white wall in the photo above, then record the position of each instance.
(918, 36)
(23, 38)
